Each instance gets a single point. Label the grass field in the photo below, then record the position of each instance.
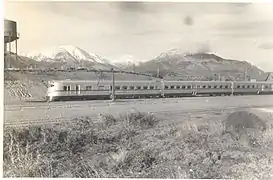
(137, 145)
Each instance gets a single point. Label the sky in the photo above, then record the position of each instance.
(142, 31)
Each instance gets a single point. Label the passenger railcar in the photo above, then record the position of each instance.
(195, 88)
(93, 90)
(78, 90)
(137, 89)
(247, 87)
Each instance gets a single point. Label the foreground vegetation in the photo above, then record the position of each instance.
(135, 145)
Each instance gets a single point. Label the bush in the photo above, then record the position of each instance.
(132, 145)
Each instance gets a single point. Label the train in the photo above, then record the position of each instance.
(67, 90)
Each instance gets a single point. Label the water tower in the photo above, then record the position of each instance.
(10, 36)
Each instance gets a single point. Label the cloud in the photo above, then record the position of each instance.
(267, 46)
(203, 48)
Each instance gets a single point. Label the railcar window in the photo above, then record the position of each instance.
(248, 86)
(151, 87)
(89, 88)
(215, 86)
(209, 87)
(198, 86)
(253, 86)
(204, 86)
(65, 88)
(68, 88)
(124, 87)
(177, 87)
(172, 87)
(266, 86)
(166, 87)
(145, 87)
(117, 87)
(131, 87)
(188, 87)
(226, 86)
(238, 86)
(243, 86)
(221, 86)
(183, 87)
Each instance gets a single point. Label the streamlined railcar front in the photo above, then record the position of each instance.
(53, 90)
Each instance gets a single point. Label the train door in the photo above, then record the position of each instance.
(162, 88)
(68, 89)
(78, 89)
(262, 87)
(194, 89)
(232, 88)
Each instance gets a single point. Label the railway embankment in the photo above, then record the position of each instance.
(23, 90)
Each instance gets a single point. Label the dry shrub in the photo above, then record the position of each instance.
(132, 145)
(139, 120)
(44, 151)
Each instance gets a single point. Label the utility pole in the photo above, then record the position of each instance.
(113, 84)
(16, 53)
(9, 64)
(246, 74)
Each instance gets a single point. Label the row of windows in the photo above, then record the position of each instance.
(134, 87)
(252, 86)
(248, 86)
(198, 86)
(89, 88)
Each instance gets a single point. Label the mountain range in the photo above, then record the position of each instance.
(69, 56)
(177, 65)
(173, 64)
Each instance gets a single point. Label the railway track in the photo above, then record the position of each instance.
(101, 103)
(43, 121)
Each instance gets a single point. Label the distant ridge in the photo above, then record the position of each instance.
(176, 65)
(171, 65)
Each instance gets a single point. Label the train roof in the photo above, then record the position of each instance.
(149, 81)
(92, 81)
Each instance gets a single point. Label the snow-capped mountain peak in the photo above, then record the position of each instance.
(172, 52)
(127, 60)
(66, 53)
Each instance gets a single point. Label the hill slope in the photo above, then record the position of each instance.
(199, 66)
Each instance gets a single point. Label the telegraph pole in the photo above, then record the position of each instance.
(246, 74)
(9, 64)
(113, 84)
(16, 53)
